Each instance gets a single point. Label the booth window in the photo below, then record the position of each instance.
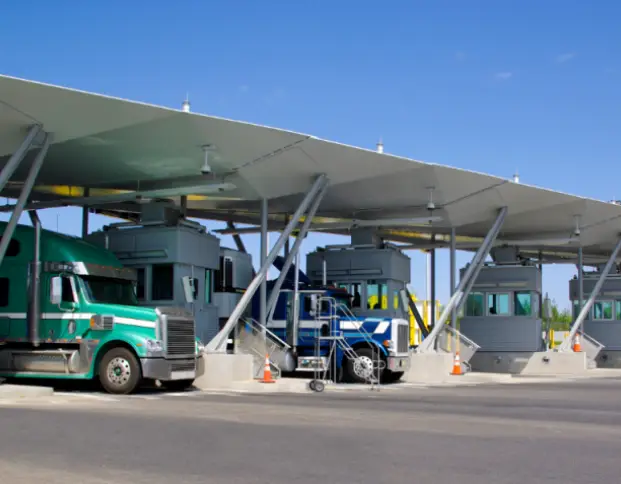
(617, 310)
(377, 295)
(523, 304)
(208, 286)
(140, 284)
(162, 282)
(354, 291)
(602, 310)
(474, 304)
(498, 304)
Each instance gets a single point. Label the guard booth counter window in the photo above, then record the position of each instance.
(602, 310)
(162, 282)
(377, 295)
(474, 304)
(523, 304)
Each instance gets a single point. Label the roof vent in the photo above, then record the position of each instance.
(516, 177)
(380, 146)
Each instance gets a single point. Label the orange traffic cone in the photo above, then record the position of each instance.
(577, 347)
(267, 372)
(456, 365)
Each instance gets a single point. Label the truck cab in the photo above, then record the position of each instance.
(325, 311)
(87, 322)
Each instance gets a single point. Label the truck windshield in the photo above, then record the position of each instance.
(106, 290)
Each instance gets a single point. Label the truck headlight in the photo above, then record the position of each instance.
(154, 346)
(389, 344)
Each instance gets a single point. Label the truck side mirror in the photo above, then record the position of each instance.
(188, 288)
(56, 290)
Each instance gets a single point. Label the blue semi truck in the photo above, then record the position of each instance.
(363, 348)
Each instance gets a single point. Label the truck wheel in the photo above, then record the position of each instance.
(391, 376)
(178, 385)
(362, 370)
(119, 371)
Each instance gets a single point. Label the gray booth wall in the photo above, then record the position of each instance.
(362, 265)
(510, 333)
(191, 252)
(605, 331)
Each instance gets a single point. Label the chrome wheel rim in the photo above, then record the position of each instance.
(119, 371)
(363, 367)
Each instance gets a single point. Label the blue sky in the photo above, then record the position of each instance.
(492, 86)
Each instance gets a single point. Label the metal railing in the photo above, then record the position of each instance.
(450, 340)
(338, 312)
(254, 339)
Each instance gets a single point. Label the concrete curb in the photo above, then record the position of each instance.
(16, 392)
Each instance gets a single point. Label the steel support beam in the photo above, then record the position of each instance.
(263, 258)
(18, 156)
(428, 344)
(580, 280)
(294, 251)
(203, 188)
(34, 290)
(567, 342)
(23, 196)
(452, 263)
(218, 343)
(432, 302)
(85, 213)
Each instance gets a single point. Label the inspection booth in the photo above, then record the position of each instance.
(603, 321)
(175, 260)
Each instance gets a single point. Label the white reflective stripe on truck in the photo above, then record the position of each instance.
(82, 316)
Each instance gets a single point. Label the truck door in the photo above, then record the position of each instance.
(60, 321)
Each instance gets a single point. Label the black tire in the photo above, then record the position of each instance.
(391, 376)
(177, 385)
(119, 371)
(318, 386)
(369, 356)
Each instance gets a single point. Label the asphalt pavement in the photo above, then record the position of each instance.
(564, 432)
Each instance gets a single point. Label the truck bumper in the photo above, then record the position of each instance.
(167, 370)
(398, 363)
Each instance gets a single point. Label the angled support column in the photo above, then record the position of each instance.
(23, 196)
(453, 255)
(263, 248)
(567, 342)
(18, 156)
(271, 304)
(218, 343)
(428, 345)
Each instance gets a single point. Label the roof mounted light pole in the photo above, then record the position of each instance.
(428, 344)
(567, 342)
(219, 342)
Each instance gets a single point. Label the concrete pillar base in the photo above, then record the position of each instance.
(223, 370)
(608, 359)
(530, 363)
(429, 368)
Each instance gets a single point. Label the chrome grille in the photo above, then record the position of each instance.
(403, 338)
(180, 338)
(183, 365)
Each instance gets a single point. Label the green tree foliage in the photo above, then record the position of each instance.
(561, 318)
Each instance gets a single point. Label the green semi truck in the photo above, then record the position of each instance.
(68, 310)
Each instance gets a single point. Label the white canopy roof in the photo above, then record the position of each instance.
(108, 143)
